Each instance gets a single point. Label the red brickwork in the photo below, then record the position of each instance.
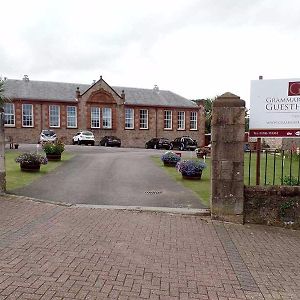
(102, 95)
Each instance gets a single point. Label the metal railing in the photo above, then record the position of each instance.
(277, 167)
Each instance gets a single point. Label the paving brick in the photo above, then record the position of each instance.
(55, 252)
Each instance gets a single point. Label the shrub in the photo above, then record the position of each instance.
(31, 158)
(190, 167)
(170, 157)
(54, 148)
(287, 180)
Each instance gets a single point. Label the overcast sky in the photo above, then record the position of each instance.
(195, 48)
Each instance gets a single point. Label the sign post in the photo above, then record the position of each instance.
(275, 108)
(275, 111)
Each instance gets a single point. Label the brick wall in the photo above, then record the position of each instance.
(102, 96)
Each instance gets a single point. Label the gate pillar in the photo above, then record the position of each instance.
(227, 158)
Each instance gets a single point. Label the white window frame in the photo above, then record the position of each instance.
(181, 120)
(51, 111)
(11, 114)
(168, 120)
(70, 118)
(107, 117)
(129, 118)
(30, 115)
(193, 120)
(144, 119)
(95, 116)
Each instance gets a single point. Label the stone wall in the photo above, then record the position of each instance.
(272, 205)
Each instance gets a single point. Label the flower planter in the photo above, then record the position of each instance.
(192, 177)
(170, 163)
(30, 167)
(53, 157)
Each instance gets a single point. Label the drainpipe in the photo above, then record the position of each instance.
(156, 122)
(42, 119)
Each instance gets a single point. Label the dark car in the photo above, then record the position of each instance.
(158, 143)
(111, 141)
(184, 143)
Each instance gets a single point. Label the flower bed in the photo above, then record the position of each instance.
(170, 159)
(191, 169)
(54, 150)
(31, 161)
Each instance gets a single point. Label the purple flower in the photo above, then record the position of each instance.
(190, 167)
(31, 158)
(170, 156)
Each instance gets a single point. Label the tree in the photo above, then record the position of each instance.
(3, 99)
(247, 119)
(208, 102)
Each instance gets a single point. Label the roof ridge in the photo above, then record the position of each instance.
(48, 81)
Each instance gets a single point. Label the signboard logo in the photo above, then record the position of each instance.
(294, 88)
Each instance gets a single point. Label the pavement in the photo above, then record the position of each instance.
(111, 176)
(52, 251)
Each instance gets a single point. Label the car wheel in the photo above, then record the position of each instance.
(92, 143)
(181, 147)
(79, 142)
(105, 144)
(73, 142)
(171, 146)
(146, 146)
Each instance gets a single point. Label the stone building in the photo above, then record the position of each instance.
(133, 114)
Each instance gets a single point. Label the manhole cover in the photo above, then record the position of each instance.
(152, 192)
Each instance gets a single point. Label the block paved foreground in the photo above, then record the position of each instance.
(49, 251)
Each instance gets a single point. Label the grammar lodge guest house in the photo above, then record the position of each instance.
(133, 114)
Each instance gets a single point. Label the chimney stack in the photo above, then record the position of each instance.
(77, 93)
(123, 95)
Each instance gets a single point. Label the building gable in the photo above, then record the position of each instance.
(101, 92)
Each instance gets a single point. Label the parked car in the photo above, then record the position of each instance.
(84, 137)
(47, 135)
(184, 143)
(110, 141)
(158, 143)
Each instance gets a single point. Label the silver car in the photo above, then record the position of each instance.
(47, 135)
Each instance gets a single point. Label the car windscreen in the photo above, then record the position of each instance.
(48, 133)
(189, 141)
(164, 140)
(87, 133)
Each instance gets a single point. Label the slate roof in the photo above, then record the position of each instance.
(61, 91)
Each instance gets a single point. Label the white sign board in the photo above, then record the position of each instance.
(275, 108)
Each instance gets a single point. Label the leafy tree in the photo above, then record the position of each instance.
(208, 103)
(3, 99)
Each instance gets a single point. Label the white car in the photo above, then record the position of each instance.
(47, 135)
(84, 137)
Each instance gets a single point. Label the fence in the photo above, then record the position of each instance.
(277, 167)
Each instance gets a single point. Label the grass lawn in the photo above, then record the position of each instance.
(283, 168)
(16, 179)
(200, 187)
(203, 188)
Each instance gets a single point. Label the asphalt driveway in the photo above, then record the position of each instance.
(111, 176)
